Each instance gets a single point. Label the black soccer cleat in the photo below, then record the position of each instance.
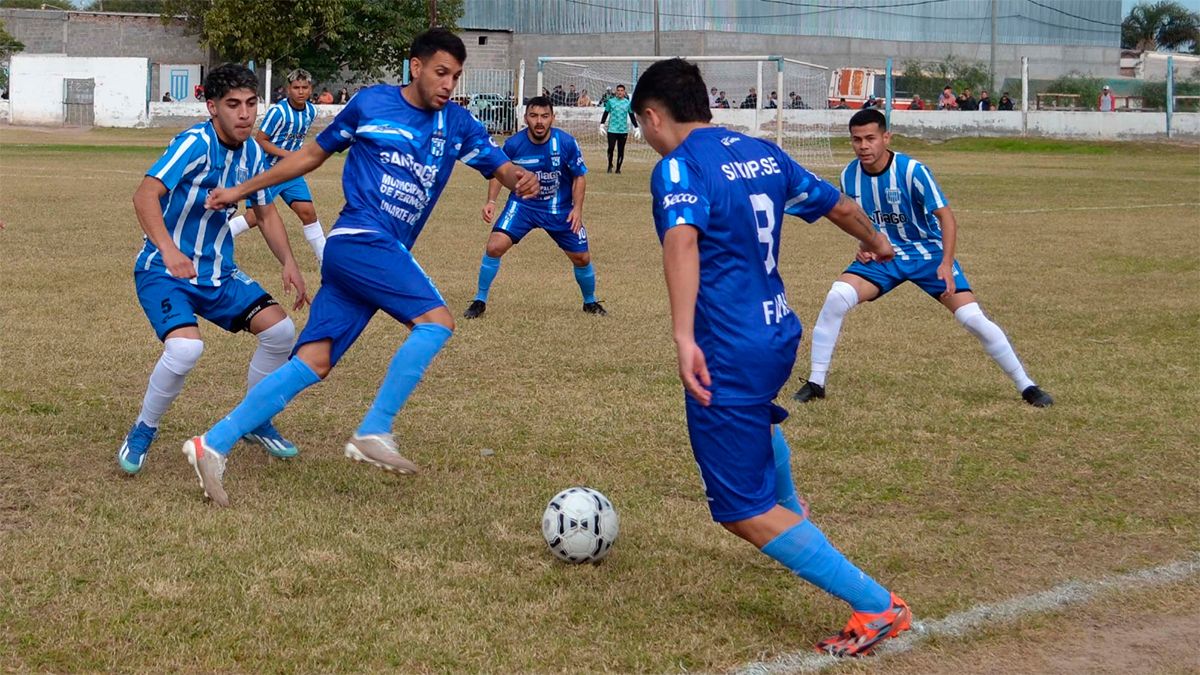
(594, 308)
(1037, 398)
(475, 309)
(809, 391)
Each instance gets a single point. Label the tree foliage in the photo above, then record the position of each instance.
(8, 44)
(927, 78)
(364, 37)
(37, 4)
(135, 6)
(1165, 25)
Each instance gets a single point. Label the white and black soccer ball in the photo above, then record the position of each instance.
(580, 525)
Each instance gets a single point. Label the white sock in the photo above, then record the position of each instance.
(995, 343)
(238, 225)
(274, 348)
(166, 380)
(315, 235)
(841, 299)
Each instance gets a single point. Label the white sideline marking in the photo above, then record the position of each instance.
(955, 625)
(1115, 207)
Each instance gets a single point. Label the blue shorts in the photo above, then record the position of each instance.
(294, 190)
(517, 221)
(171, 303)
(923, 273)
(732, 447)
(362, 274)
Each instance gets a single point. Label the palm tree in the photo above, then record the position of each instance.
(1165, 25)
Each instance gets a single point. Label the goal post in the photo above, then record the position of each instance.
(765, 96)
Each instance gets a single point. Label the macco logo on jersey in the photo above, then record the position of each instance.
(729, 140)
(678, 198)
(882, 218)
(892, 195)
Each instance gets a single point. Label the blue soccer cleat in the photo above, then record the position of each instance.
(133, 451)
(270, 439)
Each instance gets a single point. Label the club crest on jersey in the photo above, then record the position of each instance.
(242, 174)
(439, 146)
(892, 195)
(554, 161)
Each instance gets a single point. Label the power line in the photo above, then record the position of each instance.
(1073, 16)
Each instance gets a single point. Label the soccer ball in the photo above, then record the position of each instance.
(580, 525)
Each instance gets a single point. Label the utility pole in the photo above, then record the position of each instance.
(433, 15)
(992, 62)
(657, 47)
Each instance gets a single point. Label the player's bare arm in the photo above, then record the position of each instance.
(303, 161)
(268, 147)
(523, 183)
(575, 217)
(271, 226)
(945, 270)
(681, 265)
(489, 207)
(852, 220)
(148, 208)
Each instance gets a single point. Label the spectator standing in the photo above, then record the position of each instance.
(722, 100)
(343, 96)
(966, 101)
(751, 100)
(985, 103)
(1006, 103)
(712, 98)
(772, 102)
(917, 103)
(584, 101)
(842, 105)
(572, 96)
(1107, 102)
(558, 97)
(167, 97)
(869, 103)
(947, 101)
(325, 98)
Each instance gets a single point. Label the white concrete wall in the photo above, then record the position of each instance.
(37, 88)
(5, 110)
(182, 112)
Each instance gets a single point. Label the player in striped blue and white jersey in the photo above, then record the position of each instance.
(186, 266)
(905, 202)
(281, 133)
(554, 156)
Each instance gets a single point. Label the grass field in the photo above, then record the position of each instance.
(923, 464)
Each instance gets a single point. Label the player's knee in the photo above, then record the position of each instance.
(280, 337)
(972, 318)
(842, 297)
(305, 212)
(581, 259)
(180, 355)
(496, 249)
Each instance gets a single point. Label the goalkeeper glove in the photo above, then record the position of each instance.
(603, 132)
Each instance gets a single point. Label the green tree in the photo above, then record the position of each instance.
(1165, 25)
(8, 46)
(927, 78)
(136, 6)
(37, 4)
(364, 37)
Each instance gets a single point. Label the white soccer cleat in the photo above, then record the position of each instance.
(210, 469)
(380, 450)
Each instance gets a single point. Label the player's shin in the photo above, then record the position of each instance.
(404, 373)
(265, 400)
(805, 551)
(586, 278)
(314, 234)
(994, 341)
(274, 346)
(785, 489)
(489, 267)
(166, 380)
(838, 302)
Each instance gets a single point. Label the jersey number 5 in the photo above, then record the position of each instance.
(764, 218)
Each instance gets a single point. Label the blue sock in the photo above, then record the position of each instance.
(785, 490)
(264, 401)
(586, 278)
(489, 267)
(403, 375)
(805, 551)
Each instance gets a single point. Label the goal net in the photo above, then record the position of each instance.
(763, 96)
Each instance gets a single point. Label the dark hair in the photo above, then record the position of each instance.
(227, 77)
(540, 102)
(437, 40)
(678, 87)
(869, 116)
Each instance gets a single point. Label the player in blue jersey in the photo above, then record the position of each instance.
(555, 157)
(902, 198)
(403, 143)
(186, 265)
(281, 133)
(719, 199)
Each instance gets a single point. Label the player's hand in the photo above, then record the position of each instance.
(293, 281)
(220, 198)
(489, 212)
(575, 218)
(945, 272)
(178, 265)
(528, 184)
(864, 256)
(880, 247)
(637, 133)
(603, 132)
(693, 371)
